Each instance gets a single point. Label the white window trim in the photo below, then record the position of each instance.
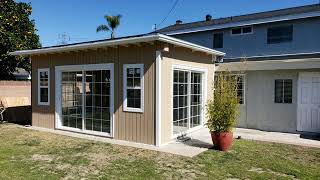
(125, 67)
(39, 87)
(241, 31)
(204, 90)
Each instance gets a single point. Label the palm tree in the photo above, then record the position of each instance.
(112, 23)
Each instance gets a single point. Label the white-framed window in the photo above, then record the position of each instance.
(133, 87)
(44, 86)
(240, 87)
(283, 91)
(242, 30)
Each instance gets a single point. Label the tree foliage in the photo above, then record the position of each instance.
(17, 32)
(223, 109)
(112, 23)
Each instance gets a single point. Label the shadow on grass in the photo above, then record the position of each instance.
(198, 143)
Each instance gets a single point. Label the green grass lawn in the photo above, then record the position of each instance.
(28, 154)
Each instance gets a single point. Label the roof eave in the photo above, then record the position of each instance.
(133, 40)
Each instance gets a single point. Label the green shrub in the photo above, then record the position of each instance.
(223, 108)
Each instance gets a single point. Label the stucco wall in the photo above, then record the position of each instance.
(306, 37)
(183, 57)
(260, 110)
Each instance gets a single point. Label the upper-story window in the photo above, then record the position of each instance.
(218, 40)
(280, 34)
(241, 30)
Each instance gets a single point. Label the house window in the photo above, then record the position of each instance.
(280, 34)
(43, 86)
(240, 86)
(241, 30)
(236, 31)
(283, 91)
(218, 40)
(133, 87)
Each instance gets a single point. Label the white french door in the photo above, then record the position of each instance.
(309, 102)
(84, 98)
(187, 100)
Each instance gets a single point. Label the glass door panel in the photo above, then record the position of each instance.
(187, 100)
(71, 87)
(180, 101)
(97, 107)
(196, 99)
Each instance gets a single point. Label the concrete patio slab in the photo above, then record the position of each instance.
(200, 140)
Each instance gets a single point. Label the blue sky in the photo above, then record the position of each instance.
(79, 18)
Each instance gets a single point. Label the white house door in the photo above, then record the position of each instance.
(309, 102)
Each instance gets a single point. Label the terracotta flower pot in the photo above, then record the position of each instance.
(222, 141)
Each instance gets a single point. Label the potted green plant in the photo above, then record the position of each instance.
(223, 110)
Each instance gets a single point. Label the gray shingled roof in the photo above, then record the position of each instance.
(247, 17)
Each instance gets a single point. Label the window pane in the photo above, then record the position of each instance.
(130, 72)
(106, 76)
(236, 31)
(44, 74)
(278, 91)
(137, 72)
(129, 82)
(137, 82)
(247, 30)
(43, 82)
(43, 94)
(134, 98)
(176, 76)
(218, 40)
(287, 91)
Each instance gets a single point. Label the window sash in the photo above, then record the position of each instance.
(135, 104)
(240, 83)
(218, 40)
(283, 91)
(241, 30)
(44, 86)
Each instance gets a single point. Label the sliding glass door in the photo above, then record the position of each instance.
(187, 100)
(86, 100)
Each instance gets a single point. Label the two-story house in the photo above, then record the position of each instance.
(278, 54)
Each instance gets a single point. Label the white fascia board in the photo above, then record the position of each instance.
(123, 41)
(246, 23)
(186, 44)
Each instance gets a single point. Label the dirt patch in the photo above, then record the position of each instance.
(260, 170)
(41, 157)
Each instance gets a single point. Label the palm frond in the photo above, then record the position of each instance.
(113, 21)
(102, 27)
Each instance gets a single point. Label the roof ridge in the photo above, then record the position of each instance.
(309, 7)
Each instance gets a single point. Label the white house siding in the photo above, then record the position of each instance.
(260, 111)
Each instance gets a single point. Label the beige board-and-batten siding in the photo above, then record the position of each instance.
(181, 57)
(130, 126)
